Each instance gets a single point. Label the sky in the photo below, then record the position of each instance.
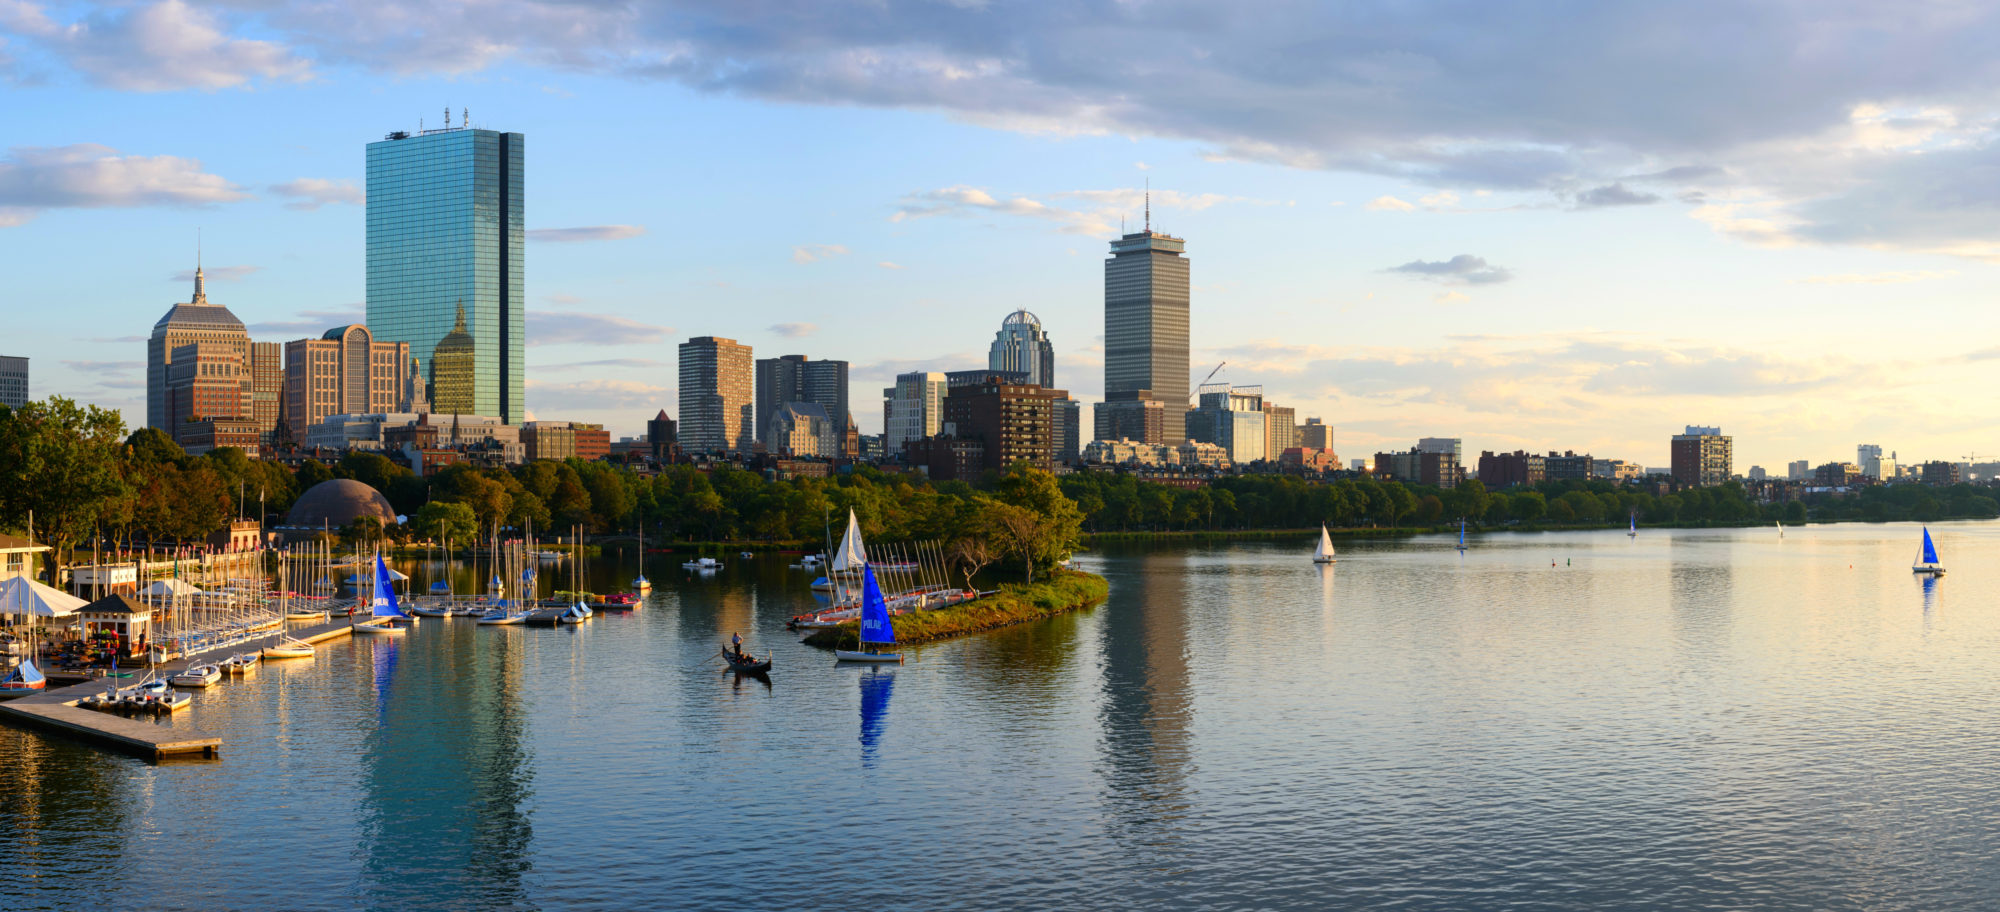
(1530, 225)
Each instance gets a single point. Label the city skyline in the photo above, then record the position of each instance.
(1593, 286)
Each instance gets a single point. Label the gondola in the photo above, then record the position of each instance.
(751, 666)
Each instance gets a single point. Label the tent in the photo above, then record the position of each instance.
(20, 595)
(170, 587)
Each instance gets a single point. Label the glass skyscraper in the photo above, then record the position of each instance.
(445, 234)
(1146, 336)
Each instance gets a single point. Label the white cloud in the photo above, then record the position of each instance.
(591, 395)
(1451, 297)
(1877, 278)
(574, 328)
(87, 176)
(155, 47)
(885, 264)
(794, 330)
(310, 322)
(1389, 204)
(1099, 213)
(1443, 199)
(588, 233)
(813, 253)
(313, 192)
(1464, 269)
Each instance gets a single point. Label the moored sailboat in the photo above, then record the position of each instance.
(1927, 557)
(386, 616)
(875, 627)
(1461, 535)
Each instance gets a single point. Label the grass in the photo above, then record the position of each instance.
(1015, 603)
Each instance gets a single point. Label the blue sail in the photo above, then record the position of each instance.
(1930, 550)
(875, 626)
(385, 592)
(875, 691)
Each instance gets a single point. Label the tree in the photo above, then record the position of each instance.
(1021, 532)
(1527, 506)
(971, 555)
(446, 521)
(60, 462)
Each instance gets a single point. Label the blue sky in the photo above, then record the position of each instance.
(1527, 225)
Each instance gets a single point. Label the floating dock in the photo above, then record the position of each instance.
(55, 710)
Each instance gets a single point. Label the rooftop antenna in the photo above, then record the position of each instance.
(1149, 205)
(447, 117)
(465, 117)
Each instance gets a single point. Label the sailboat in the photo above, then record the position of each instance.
(386, 612)
(1324, 553)
(1927, 559)
(1461, 535)
(24, 678)
(1634, 531)
(1781, 529)
(875, 627)
(640, 583)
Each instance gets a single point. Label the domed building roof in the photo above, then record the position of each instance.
(458, 339)
(336, 503)
(1021, 318)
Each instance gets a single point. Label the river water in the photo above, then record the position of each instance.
(1688, 720)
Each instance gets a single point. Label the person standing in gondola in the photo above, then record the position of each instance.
(736, 640)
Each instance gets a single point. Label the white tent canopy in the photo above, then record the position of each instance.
(170, 587)
(23, 596)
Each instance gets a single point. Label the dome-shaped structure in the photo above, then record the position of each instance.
(333, 504)
(1021, 318)
(453, 370)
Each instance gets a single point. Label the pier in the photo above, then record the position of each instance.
(54, 710)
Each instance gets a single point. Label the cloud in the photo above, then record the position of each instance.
(118, 340)
(87, 176)
(1464, 269)
(604, 362)
(314, 192)
(104, 366)
(1389, 204)
(155, 47)
(1877, 278)
(310, 323)
(573, 328)
(588, 395)
(1451, 297)
(813, 253)
(1089, 212)
(590, 233)
(1613, 194)
(794, 330)
(885, 264)
(215, 274)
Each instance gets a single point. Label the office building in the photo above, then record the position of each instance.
(1132, 415)
(344, 372)
(1014, 421)
(192, 323)
(13, 381)
(1022, 346)
(1700, 457)
(662, 438)
(1799, 470)
(267, 388)
(913, 409)
(1505, 470)
(548, 440)
(1615, 469)
(981, 377)
(1452, 445)
(1146, 330)
(1865, 455)
(1757, 473)
(803, 429)
(718, 414)
(1942, 473)
(1437, 468)
(446, 259)
(205, 381)
(1837, 474)
(1280, 434)
(797, 378)
(1567, 466)
(1314, 435)
(1069, 430)
(1233, 418)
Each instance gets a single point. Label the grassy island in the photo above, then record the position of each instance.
(1015, 603)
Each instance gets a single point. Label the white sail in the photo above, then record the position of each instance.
(1325, 549)
(853, 553)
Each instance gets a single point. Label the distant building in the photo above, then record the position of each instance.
(19, 556)
(1133, 415)
(1504, 470)
(871, 447)
(1701, 457)
(1867, 456)
(1618, 470)
(1233, 418)
(1438, 468)
(1757, 473)
(797, 378)
(267, 388)
(1069, 430)
(446, 262)
(1014, 421)
(183, 325)
(207, 381)
(717, 411)
(1567, 466)
(981, 376)
(1452, 445)
(1837, 474)
(548, 440)
(661, 440)
(1943, 473)
(1358, 464)
(947, 457)
(913, 409)
(13, 381)
(1280, 434)
(1314, 435)
(803, 429)
(344, 371)
(1022, 346)
(1799, 470)
(1311, 459)
(1146, 332)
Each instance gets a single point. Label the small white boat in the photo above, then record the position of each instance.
(387, 626)
(306, 614)
(576, 614)
(1324, 553)
(1927, 558)
(504, 616)
(641, 584)
(240, 663)
(703, 563)
(433, 610)
(289, 648)
(746, 555)
(197, 676)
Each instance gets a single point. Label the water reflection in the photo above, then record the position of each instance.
(1146, 704)
(877, 684)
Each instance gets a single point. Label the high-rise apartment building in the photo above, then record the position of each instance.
(1280, 434)
(912, 409)
(1146, 333)
(1799, 470)
(1233, 418)
(1069, 430)
(1315, 436)
(1021, 345)
(196, 321)
(1502, 470)
(267, 388)
(1014, 421)
(718, 409)
(1452, 445)
(1701, 456)
(446, 259)
(206, 382)
(344, 372)
(797, 378)
(13, 381)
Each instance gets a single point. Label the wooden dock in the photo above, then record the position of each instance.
(55, 710)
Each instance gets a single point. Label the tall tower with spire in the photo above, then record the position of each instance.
(196, 322)
(1145, 338)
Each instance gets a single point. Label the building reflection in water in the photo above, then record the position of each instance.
(1147, 702)
(877, 684)
(447, 772)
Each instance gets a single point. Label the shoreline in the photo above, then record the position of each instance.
(1364, 532)
(1062, 592)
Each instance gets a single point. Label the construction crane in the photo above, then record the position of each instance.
(1211, 374)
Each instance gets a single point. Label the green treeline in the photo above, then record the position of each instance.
(1013, 603)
